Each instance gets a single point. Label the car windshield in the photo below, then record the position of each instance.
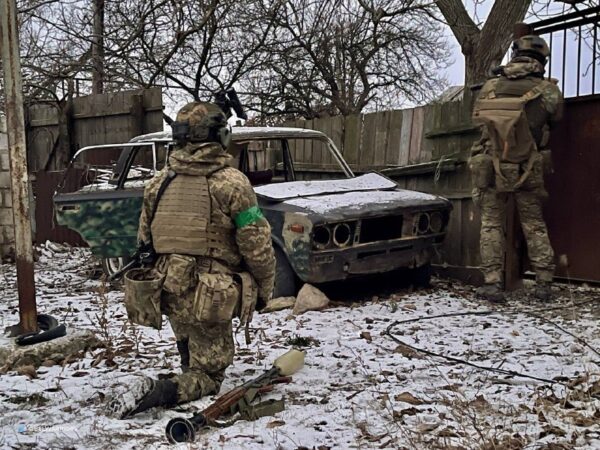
(284, 160)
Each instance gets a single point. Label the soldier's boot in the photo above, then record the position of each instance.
(543, 291)
(145, 394)
(492, 292)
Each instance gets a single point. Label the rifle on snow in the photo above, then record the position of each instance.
(239, 400)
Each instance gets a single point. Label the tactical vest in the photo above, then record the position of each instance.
(182, 224)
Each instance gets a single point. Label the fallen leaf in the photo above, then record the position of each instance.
(366, 336)
(407, 397)
(406, 351)
(552, 430)
(80, 373)
(275, 423)
(28, 371)
(405, 412)
(448, 432)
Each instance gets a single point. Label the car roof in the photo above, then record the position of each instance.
(245, 133)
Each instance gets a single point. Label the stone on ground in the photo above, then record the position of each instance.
(57, 350)
(310, 299)
(279, 303)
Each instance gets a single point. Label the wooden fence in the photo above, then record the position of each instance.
(56, 131)
(424, 149)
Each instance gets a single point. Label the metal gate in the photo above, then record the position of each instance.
(573, 209)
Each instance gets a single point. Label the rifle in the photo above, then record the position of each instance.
(145, 254)
(239, 400)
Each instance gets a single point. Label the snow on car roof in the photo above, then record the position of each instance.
(244, 133)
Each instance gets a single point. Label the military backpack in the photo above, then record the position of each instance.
(510, 134)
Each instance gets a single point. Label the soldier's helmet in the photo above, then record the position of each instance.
(532, 46)
(201, 122)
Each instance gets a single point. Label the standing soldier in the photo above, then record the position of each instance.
(214, 257)
(516, 109)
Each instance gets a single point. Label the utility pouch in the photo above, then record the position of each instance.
(535, 180)
(179, 274)
(142, 297)
(249, 298)
(217, 297)
(482, 170)
(507, 179)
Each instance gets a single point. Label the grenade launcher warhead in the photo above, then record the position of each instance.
(228, 100)
(238, 401)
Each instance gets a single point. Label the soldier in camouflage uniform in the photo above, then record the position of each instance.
(214, 250)
(524, 72)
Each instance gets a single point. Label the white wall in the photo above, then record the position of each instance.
(6, 221)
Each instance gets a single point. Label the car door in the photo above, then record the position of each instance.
(105, 210)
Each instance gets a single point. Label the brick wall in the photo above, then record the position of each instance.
(7, 237)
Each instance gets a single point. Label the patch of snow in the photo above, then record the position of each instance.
(358, 201)
(358, 389)
(294, 189)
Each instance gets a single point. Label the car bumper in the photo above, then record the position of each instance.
(368, 259)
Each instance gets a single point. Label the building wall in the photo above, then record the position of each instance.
(6, 220)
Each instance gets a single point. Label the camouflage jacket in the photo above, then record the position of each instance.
(551, 97)
(232, 197)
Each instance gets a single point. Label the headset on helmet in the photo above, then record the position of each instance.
(201, 122)
(532, 46)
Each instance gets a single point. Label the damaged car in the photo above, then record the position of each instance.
(323, 230)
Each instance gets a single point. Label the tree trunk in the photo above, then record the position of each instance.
(479, 62)
(98, 48)
(483, 47)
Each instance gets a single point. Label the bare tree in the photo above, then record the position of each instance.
(339, 56)
(485, 45)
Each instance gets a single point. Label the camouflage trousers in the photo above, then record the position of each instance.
(492, 240)
(206, 349)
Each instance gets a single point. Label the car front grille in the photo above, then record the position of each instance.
(380, 229)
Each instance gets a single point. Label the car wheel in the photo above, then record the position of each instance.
(111, 266)
(421, 276)
(285, 278)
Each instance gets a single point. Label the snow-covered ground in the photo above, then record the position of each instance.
(359, 388)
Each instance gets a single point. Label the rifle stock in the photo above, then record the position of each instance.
(184, 430)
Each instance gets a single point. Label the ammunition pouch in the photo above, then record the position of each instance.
(482, 170)
(216, 298)
(507, 177)
(143, 289)
(179, 276)
(221, 296)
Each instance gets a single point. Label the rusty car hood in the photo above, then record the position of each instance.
(368, 195)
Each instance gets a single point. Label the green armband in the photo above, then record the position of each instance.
(248, 217)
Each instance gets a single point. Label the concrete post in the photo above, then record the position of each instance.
(15, 125)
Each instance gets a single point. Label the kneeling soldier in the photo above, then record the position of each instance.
(214, 258)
